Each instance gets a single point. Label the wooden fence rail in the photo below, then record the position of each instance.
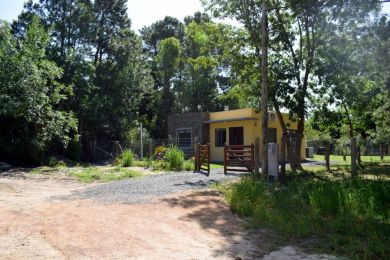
(202, 158)
(240, 157)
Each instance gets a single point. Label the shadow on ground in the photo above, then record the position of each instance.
(213, 215)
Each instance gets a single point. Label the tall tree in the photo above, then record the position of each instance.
(31, 97)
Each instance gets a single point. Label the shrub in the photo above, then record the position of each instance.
(54, 162)
(189, 165)
(338, 212)
(174, 158)
(126, 158)
(159, 153)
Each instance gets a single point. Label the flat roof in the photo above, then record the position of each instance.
(231, 120)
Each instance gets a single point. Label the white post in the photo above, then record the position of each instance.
(142, 144)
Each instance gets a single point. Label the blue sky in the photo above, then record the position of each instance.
(141, 12)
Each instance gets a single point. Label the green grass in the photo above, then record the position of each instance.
(348, 217)
(88, 173)
(339, 159)
(216, 165)
(91, 174)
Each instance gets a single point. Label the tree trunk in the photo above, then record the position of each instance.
(264, 89)
(382, 151)
(359, 157)
(327, 156)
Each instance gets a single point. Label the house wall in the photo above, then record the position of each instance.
(252, 130)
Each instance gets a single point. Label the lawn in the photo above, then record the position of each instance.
(340, 160)
(329, 213)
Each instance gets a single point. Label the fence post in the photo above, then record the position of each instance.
(283, 158)
(382, 151)
(197, 155)
(93, 150)
(150, 147)
(116, 148)
(208, 158)
(252, 157)
(353, 156)
(257, 155)
(224, 159)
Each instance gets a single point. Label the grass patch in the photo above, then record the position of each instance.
(216, 165)
(340, 160)
(349, 217)
(91, 174)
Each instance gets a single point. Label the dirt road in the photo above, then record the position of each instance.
(37, 222)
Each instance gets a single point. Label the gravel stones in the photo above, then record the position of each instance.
(144, 189)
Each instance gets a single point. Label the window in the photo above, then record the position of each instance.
(220, 137)
(272, 137)
(184, 137)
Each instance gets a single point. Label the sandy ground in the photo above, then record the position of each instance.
(39, 220)
(36, 222)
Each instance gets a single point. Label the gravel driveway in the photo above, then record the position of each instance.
(141, 190)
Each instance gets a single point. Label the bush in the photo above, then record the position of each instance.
(126, 158)
(174, 158)
(189, 165)
(340, 213)
(54, 162)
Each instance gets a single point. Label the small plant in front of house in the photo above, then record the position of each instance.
(189, 165)
(174, 158)
(125, 159)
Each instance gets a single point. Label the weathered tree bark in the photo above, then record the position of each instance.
(358, 155)
(264, 88)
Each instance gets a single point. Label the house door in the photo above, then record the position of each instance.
(236, 136)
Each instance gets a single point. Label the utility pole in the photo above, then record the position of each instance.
(264, 88)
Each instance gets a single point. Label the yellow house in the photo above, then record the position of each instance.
(242, 127)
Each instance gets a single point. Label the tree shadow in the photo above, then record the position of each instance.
(213, 215)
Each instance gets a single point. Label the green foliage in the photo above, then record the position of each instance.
(53, 162)
(174, 158)
(339, 213)
(31, 97)
(91, 174)
(189, 165)
(125, 159)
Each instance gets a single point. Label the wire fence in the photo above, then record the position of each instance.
(108, 150)
(368, 148)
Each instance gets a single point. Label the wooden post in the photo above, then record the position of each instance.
(224, 159)
(116, 148)
(353, 156)
(150, 147)
(257, 156)
(208, 158)
(94, 150)
(382, 151)
(252, 157)
(197, 155)
(327, 156)
(283, 158)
